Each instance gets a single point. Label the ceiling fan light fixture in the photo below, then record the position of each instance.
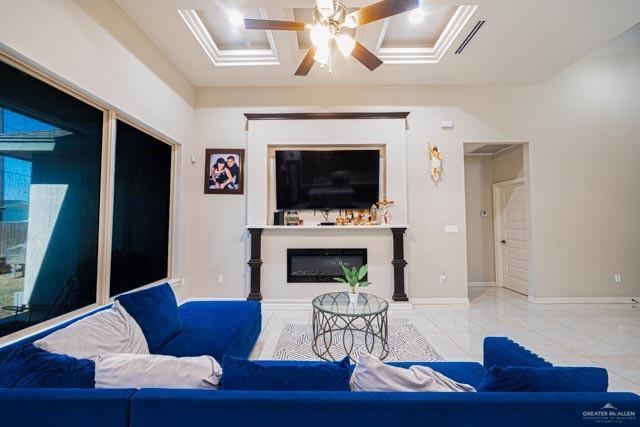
(320, 35)
(322, 55)
(346, 44)
(328, 18)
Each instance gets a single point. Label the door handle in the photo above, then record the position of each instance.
(504, 242)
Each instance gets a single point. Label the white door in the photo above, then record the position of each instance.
(513, 244)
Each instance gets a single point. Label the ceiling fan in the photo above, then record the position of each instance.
(333, 26)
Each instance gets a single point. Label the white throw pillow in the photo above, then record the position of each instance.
(156, 371)
(109, 331)
(370, 374)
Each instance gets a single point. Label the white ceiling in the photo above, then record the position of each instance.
(522, 42)
(232, 37)
(400, 33)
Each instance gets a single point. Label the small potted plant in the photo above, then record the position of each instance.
(353, 279)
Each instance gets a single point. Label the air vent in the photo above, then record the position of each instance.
(471, 35)
(491, 148)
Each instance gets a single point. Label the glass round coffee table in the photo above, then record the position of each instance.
(340, 327)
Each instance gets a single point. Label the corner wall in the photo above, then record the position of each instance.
(430, 252)
(584, 171)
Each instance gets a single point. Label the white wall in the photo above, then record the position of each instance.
(219, 123)
(582, 131)
(94, 46)
(507, 165)
(584, 171)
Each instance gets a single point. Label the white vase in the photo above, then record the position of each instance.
(353, 298)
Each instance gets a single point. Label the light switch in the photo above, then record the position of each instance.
(446, 124)
(450, 229)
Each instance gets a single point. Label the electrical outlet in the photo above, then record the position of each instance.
(443, 279)
(617, 278)
(220, 278)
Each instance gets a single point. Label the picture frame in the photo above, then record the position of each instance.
(226, 177)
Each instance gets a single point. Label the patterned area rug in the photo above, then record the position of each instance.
(405, 344)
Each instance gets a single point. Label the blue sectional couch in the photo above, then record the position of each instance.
(216, 328)
(165, 408)
(232, 328)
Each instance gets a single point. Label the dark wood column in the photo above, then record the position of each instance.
(255, 263)
(399, 263)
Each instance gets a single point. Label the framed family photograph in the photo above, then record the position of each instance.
(224, 171)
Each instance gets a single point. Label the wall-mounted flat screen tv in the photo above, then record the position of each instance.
(327, 179)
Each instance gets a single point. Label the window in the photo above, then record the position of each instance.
(141, 208)
(50, 160)
(51, 146)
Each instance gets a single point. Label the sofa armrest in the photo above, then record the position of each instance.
(501, 351)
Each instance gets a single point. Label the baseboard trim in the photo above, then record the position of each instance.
(286, 304)
(440, 301)
(582, 300)
(400, 306)
(298, 304)
(481, 284)
(267, 304)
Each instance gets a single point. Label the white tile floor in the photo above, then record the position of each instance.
(606, 335)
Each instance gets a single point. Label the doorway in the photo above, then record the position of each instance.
(497, 215)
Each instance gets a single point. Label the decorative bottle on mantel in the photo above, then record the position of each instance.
(386, 215)
(373, 214)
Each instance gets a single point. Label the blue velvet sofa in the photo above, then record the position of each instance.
(165, 408)
(231, 328)
(216, 328)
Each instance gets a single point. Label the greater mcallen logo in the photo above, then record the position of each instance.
(609, 414)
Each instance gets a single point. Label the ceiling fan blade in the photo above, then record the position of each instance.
(265, 24)
(383, 9)
(307, 63)
(366, 57)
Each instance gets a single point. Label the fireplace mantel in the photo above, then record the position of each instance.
(398, 262)
(268, 243)
(317, 227)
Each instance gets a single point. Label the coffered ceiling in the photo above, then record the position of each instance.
(521, 42)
